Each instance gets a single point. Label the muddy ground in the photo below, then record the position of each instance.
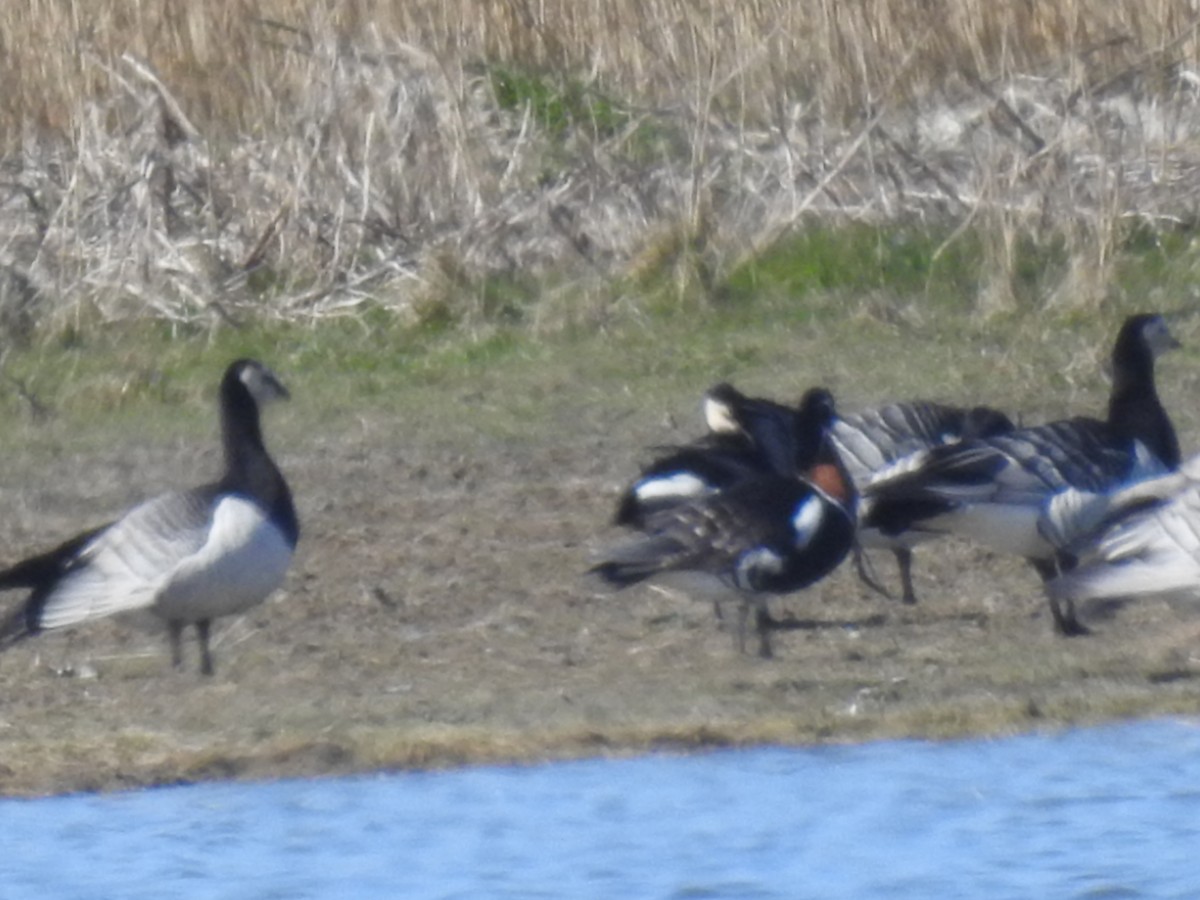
(435, 616)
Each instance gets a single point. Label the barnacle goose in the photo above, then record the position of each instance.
(995, 489)
(872, 440)
(1141, 540)
(769, 534)
(190, 556)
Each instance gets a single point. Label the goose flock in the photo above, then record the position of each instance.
(770, 500)
(773, 498)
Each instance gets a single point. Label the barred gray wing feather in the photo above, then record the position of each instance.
(1152, 552)
(124, 567)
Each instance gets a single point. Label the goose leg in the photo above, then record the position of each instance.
(206, 663)
(175, 632)
(763, 623)
(743, 612)
(1066, 622)
(866, 574)
(904, 563)
(202, 634)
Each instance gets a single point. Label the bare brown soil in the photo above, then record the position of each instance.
(435, 616)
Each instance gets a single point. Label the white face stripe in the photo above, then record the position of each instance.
(681, 484)
(261, 383)
(806, 519)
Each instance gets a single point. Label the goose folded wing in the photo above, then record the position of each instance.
(680, 474)
(964, 472)
(1153, 552)
(124, 567)
(1074, 519)
(1172, 528)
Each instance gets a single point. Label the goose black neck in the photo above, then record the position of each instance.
(811, 423)
(241, 430)
(249, 469)
(1134, 409)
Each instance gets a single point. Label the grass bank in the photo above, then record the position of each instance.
(453, 482)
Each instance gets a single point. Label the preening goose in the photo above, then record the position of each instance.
(747, 437)
(871, 441)
(190, 556)
(995, 489)
(769, 534)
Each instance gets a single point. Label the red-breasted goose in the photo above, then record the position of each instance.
(747, 437)
(190, 556)
(769, 534)
(995, 489)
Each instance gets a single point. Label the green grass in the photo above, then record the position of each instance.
(842, 307)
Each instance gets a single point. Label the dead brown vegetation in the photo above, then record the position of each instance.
(190, 161)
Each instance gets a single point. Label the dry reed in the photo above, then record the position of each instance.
(196, 161)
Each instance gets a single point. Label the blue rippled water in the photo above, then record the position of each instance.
(1097, 813)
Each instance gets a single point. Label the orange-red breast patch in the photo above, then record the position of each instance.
(829, 479)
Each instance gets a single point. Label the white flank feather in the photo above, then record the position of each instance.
(243, 560)
(681, 484)
(1003, 527)
(806, 520)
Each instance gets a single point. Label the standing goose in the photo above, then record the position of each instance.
(770, 534)
(872, 440)
(996, 489)
(190, 556)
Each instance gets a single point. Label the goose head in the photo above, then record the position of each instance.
(256, 380)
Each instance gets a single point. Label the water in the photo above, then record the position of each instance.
(1100, 813)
